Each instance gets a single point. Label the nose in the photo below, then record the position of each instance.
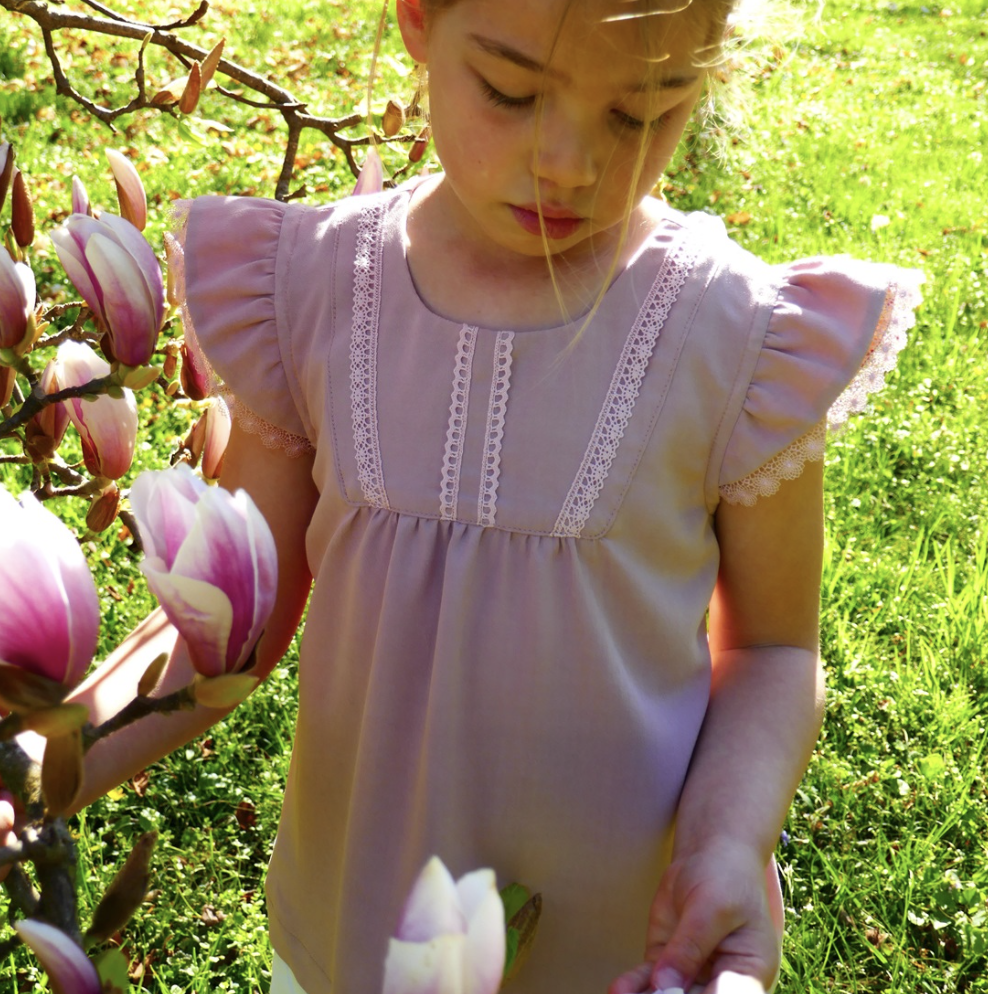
(564, 154)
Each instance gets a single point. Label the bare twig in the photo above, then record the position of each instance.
(39, 400)
(292, 110)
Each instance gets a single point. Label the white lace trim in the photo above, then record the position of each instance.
(363, 356)
(496, 410)
(272, 437)
(459, 404)
(897, 317)
(787, 465)
(622, 394)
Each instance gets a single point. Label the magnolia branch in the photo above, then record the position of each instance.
(293, 111)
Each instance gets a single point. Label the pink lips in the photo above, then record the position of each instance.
(559, 223)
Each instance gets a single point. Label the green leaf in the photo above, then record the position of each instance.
(510, 950)
(189, 133)
(513, 897)
(112, 968)
(931, 766)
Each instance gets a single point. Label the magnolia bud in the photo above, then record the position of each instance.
(170, 366)
(190, 95)
(197, 381)
(210, 63)
(21, 211)
(418, 147)
(103, 509)
(130, 189)
(80, 198)
(126, 893)
(196, 440)
(393, 119)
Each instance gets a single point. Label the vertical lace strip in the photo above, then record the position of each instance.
(496, 410)
(363, 356)
(622, 394)
(459, 403)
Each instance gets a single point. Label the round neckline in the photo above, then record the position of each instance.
(408, 190)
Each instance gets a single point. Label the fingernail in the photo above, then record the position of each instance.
(669, 981)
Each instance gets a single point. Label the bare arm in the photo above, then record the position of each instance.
(284, 492)
(711, 912)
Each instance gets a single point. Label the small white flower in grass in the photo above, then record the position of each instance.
(879, 221)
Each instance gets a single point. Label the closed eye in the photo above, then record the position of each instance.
(634, 124)
(500, 99)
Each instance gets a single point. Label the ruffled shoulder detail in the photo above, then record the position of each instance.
(835, 332)
(222, 256)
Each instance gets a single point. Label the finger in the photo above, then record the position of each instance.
(635, 981)
(697, 935)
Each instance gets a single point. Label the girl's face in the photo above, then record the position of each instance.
(530, 109)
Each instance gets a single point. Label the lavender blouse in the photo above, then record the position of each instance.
(505, 660)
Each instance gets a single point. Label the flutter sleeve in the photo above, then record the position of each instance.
(837, 328)
(223, 272)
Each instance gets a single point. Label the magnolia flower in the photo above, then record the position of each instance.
(451, 939)
(210, 560)
(116, 271)
(69, 969)
(49, 610)
(106, 425)
(17, 299)
(371, 178)
(130, 190)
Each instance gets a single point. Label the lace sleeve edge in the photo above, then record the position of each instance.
(786, 465)
(272, 437)
(898, 316)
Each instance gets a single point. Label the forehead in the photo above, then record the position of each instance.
(640, 39)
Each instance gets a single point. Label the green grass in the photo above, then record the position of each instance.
(880, 111)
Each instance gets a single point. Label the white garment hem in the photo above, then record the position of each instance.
(282, 979)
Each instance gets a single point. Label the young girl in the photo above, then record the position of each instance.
(551, 451)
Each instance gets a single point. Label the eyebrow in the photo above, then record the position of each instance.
(673, 81)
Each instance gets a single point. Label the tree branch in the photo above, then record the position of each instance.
(293, 111)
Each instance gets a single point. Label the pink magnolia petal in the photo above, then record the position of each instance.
(50, 609)
(70, 240)
(136, 245)
(217, 437)
(129, 311)
(219, 551)
(164, 502)
(485, 949)
(434, 967)
(69, 969)
(200, 611)
(265, 559)
(17, 299)
(107, 427)
(433, 906)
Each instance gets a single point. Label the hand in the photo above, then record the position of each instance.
(717, 909)
(7, 834)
